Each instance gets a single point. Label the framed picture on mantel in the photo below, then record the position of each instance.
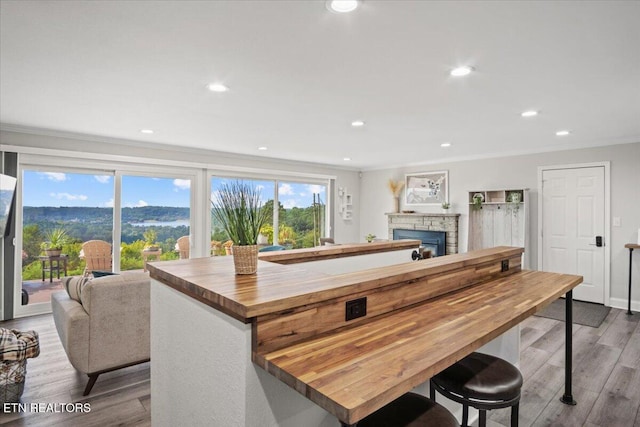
(427, 188)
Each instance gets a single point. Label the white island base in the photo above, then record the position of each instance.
(202, 374)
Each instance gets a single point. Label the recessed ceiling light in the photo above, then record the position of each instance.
(217, 87)
(461, 71)
(445, 144)
(530, 113)
(262, 148)
(563, 133)
(146, 131)
(347, 159)
(342, 6)
(357, 123)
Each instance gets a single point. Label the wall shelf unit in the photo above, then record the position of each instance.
(346, 203)
(499, 219)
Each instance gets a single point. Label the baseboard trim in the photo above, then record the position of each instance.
(623, 304)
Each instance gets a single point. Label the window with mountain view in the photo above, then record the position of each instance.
(155, 214)
(79, 206)
(300, 219)
(220, 243)
(76, 206)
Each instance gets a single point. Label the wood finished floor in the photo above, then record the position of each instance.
(120, 398)
(606, 379)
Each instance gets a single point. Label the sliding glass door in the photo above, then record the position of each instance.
(61, 209)
(155, 213)
(141, 213)
(145, 212)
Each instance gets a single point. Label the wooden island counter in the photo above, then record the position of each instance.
(420, 317)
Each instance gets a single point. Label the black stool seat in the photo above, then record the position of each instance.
(481, 376)
(410, 410)
(481, 381)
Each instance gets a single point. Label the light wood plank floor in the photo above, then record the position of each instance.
(606, 379)
(120, 398)
(606, 374)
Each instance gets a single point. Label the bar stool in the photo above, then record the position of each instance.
(481, 381)
(409, 410)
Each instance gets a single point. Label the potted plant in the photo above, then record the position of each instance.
(445, 207)
(370, 237)
(513, 202)
(478, 199)
(150, 237)
(396, 188)
(238, 209)
(56, 238)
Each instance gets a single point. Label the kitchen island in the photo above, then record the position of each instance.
(216, 335)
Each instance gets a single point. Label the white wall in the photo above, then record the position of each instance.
(521, 172)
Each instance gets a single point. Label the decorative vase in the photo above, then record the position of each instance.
(245, 258)
(396, 204)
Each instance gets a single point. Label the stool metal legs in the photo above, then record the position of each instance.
(482, 418)
(515, 409)
(465, 416)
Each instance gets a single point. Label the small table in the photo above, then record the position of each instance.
(147, 253)
(631, 247)
(55, 264)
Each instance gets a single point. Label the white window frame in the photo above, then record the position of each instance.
(37, 162)
(265, 175)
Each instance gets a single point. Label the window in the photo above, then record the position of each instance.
(129, 206)
(77, 204)
(220, 244)
(137, 206)
(155, 213)
(300, 217)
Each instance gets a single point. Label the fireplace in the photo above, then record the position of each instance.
(424, 221)
(435, 241)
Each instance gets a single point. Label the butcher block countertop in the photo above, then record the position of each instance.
(354, 372)
(317, 253)
(276, 287)
(420, 318)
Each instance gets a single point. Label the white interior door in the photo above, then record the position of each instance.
(573, 215)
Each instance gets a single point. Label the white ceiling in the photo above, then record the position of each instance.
(299, 75)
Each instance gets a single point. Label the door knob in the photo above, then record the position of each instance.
(598, 242)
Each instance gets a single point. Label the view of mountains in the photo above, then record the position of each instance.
(86, 223)
(36, 215)
(297, 225)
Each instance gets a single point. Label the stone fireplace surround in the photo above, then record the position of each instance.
(428, 221)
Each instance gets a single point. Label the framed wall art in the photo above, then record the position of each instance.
(427, 188)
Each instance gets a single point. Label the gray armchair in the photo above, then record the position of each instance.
(103, 323)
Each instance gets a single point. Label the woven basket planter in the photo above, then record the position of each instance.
(12, 376)
(53, 252)
(245, 258)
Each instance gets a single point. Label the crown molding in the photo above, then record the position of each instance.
(54, 133)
